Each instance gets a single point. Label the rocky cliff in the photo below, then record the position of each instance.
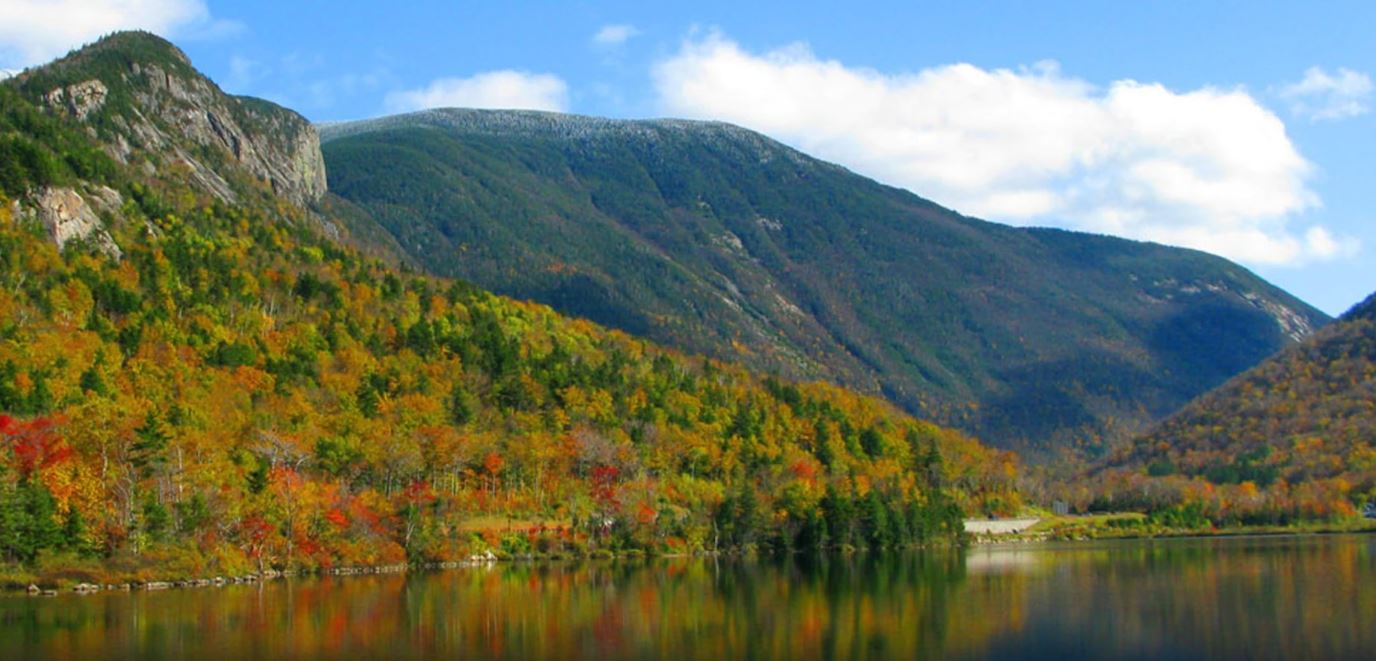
(140, 95)
(68, 216)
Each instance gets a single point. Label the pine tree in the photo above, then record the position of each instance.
(149, 451)
(155, 519)
(875, 519)
(13, 517)
(37, 528)
(462, 405)
(74, 532)
(840, 517)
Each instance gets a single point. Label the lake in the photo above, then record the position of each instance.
(1279, 597)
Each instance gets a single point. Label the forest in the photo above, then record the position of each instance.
(236, 392)
(713, 239)
(1287, 441)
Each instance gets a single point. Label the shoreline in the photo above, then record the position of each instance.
(50, 585)
(1070, 530)
(40, 586)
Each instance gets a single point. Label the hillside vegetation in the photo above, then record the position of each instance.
(715, 239)
(1289, 439)
(234, 390)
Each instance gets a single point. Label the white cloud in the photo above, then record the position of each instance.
(614, 35)
(494, 89)
(1324, 96)
(35, 31)
(8, 73)
(243, 72)
(1209, 168)
(1323, 244)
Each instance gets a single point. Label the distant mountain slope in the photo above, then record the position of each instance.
(716, 239)
(1306, 414)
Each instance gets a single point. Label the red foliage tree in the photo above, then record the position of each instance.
(34, 444)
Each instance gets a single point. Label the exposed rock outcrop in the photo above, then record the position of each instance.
(68, 217)
(78, 100)
(157, 103)
(270, 142)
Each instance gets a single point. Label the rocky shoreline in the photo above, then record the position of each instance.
(477, 560)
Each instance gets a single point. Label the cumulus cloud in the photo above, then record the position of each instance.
(494, 89)
(1208, 168)
(614, 35)
(35, 31)
(1323, 96)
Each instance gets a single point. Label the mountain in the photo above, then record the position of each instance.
(198, 378)
(1301, 425)
(143, 101)
(715, 239)
(141, 94)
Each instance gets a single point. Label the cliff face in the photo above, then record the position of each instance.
(68, 216)
(140, 95)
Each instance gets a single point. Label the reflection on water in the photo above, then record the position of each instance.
(1312, 597)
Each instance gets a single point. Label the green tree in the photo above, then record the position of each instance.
(839, 512)
(875, 522)
(149, 450)
(28, 521)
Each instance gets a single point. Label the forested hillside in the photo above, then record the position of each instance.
(201, 377)
(715, 239)
(1290, 439)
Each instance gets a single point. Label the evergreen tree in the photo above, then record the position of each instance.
(74, 533)
(150, 445)
(92, 381)
(812, 535)
(840, 517)
(875, 520)
(40, 399)
(192, 514)
(462, 405)
(871, 442)
(28, 521)
(155, 519)
(738, 518)
(12, 520)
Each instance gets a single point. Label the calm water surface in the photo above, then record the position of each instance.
(1299, 598)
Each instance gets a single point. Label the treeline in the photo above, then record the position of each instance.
(236, 392)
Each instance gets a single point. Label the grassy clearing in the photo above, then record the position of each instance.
(1051, 524)
(1127, 525)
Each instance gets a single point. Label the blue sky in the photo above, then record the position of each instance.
(1240, 128)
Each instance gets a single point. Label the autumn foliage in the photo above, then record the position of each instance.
(1290, 440)
(239, 391)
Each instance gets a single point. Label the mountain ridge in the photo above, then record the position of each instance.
(720, 240)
